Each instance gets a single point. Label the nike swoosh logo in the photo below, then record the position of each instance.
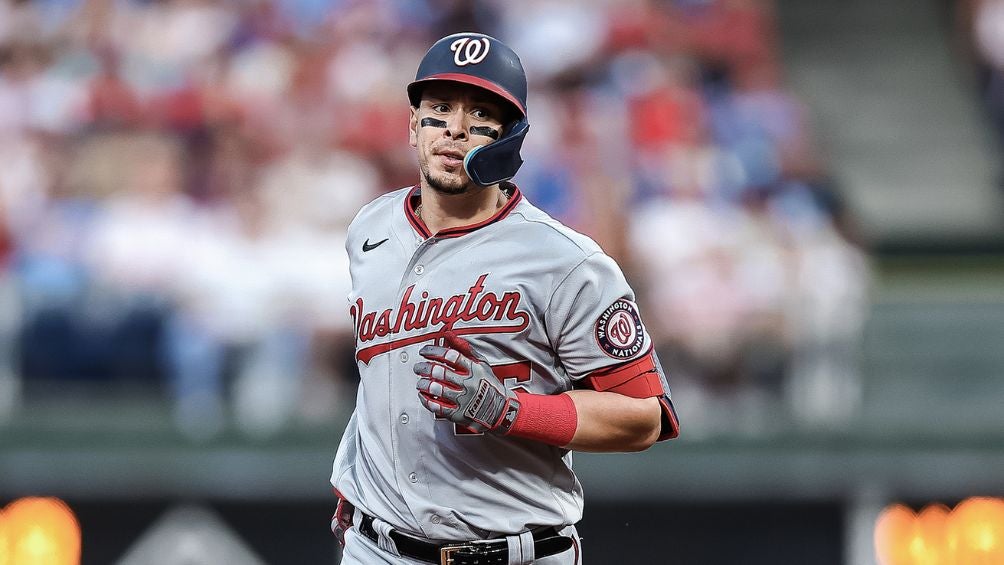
(367, 246)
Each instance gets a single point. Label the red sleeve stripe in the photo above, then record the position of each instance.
(618, 376)
(638, 379)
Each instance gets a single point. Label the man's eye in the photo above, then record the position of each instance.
(440, 107)
(481, 114)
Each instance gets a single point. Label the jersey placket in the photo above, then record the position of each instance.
(406, 431)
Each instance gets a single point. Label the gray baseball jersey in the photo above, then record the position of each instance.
(545, 307)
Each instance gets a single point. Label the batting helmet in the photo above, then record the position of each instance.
(483, 61)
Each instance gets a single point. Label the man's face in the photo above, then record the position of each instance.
(451, 119)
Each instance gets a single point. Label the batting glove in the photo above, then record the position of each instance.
(459, 385)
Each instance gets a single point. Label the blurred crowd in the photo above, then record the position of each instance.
(176, 179)
(980, 27)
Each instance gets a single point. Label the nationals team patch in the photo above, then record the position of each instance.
(619, 331)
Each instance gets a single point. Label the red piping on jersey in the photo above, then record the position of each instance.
(423, 230)
(409, 212)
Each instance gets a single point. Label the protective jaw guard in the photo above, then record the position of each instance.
(498, 161)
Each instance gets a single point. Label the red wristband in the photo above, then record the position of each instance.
(547, 418)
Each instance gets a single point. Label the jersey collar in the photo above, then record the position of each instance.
(414, 197)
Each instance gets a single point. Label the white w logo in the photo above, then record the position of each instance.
(467, 52)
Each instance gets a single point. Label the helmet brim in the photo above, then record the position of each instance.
(415, 90)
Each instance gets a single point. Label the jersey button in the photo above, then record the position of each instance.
(419, 269)
(413, 478)
(404, 356)
(436, 519)
(404, 418)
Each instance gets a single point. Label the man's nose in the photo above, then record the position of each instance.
(456, 125)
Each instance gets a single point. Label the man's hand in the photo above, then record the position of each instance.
(460, 386)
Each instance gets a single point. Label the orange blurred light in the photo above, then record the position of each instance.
(976, 531)
(41, 531)
(894, 533)
(4, 545)
(930, 545)
(971, 534)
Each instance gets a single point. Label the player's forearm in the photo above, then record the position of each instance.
(458, 384)
(608, 421)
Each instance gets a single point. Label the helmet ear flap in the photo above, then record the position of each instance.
(498, 161)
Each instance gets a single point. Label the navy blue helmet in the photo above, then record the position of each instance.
(483, 61)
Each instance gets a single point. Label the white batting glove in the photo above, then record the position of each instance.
(459, 385)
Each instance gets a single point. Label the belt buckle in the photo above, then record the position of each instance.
(446, 553)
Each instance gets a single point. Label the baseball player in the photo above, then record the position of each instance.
(491, 341)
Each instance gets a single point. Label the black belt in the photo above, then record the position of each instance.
(546, 542)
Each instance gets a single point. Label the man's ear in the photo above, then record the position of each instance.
(413, 127)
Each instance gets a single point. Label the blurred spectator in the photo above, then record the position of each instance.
(10, 307)
(826, 312)
(988, 33)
